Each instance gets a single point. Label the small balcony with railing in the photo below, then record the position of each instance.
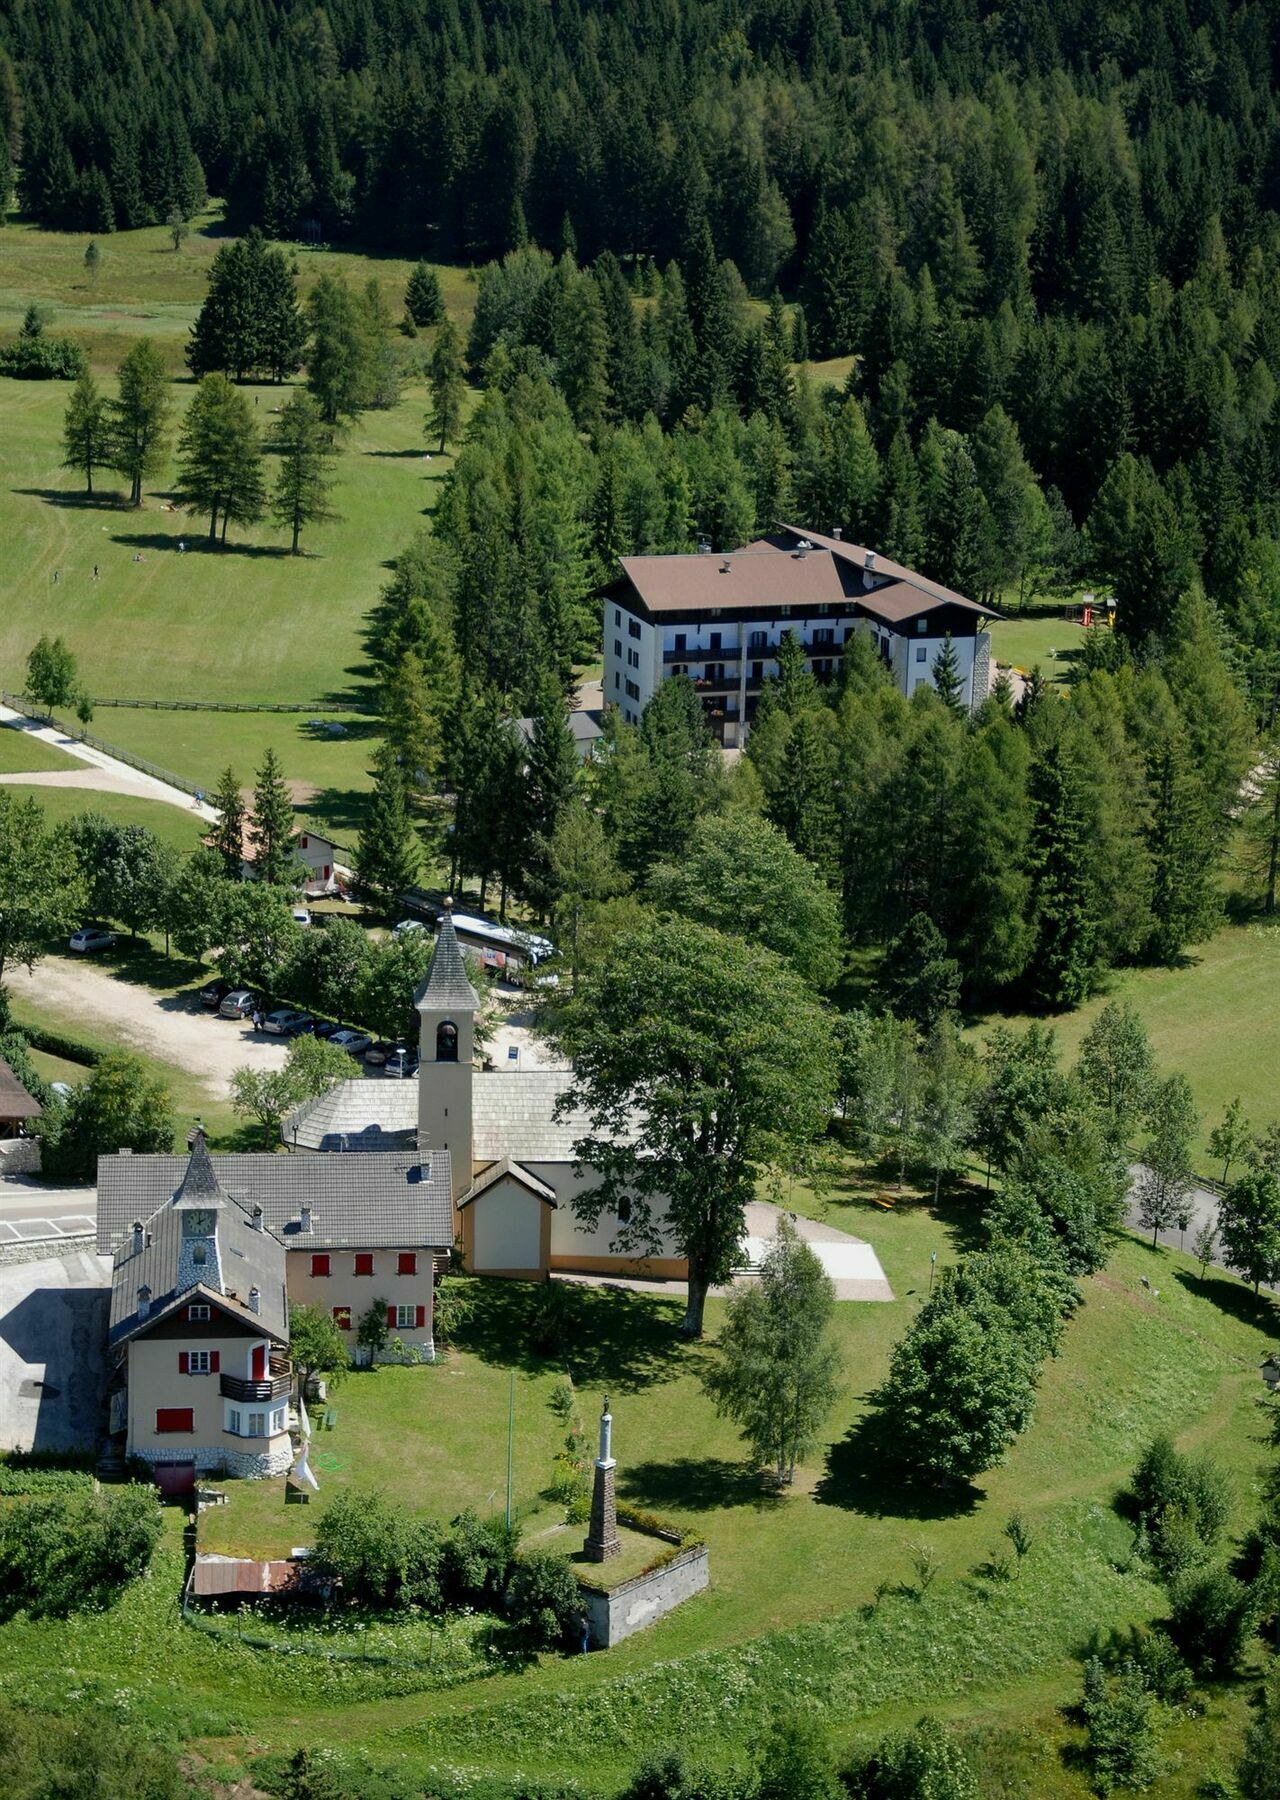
(276, 1384)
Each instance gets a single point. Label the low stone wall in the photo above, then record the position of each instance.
(27, 1250)
(616, 1614)
(19, 1156)
(213, 1460)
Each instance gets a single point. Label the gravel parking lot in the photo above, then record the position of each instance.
(177, 1030)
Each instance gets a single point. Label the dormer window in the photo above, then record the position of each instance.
(446, 1041)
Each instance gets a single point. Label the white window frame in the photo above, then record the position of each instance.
(199, 1362)
(406, 1316)
(257, 1425)
(233, 1420)
(277, 1421)
(198, 1314)
(922, 653)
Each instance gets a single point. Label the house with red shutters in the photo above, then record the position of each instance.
(208, 1255)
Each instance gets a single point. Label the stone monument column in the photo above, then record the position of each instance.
(602, 1537)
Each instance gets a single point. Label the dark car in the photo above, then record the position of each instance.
(402, 1063)
(378, 1052)
(213, 993)
(325, 1028)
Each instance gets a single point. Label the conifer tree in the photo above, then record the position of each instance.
(139, 417)
(272, 837)
(220, 457)
(947, 681)
(1060, 968)
(1184, 854)
(551, 779)
(803, 804)
(338, 351)
(86, 430)
(422, 300)
(303, 480)
(249, 322)
(388, 855)
(448, 386)
(1262, 828)
(582, 345)
(227, 835)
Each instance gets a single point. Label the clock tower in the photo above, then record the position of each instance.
(447, 1006)
(199, 1204)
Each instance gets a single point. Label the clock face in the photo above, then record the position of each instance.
(198, 1223)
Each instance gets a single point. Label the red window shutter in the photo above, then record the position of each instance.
(342, 1317)
(422, 1317)
(174, 1418)
(183, 1363)
(408, 1263)
(364, 1262)
(214, 1356)
(319, 1265)
(326, 871)
(391, 1317)
(302, 841)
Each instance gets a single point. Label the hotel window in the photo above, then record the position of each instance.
(921, 652)
(633, 626)
(633, 692)
(617, 679)
(617, 616)
(617, 646)
(921, 625)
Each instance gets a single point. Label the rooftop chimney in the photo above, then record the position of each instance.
(139, 1236)
(725, 566)
(306, 1218)
(704, 546)
(255, 1300)
(144, 1301)
(124, 1151)
(869, 562)
(255, 1218)
(837, 532)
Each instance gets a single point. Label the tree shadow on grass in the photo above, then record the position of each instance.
(108, 501)
(398, 455)
(695, 1484)
(860, 1477)
(1231, 1297)
(608, 1338)
(197, 545)
(339, 809)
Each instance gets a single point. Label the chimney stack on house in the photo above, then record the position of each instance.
(306, 1218)
(144, 1301)
(139, 1237)
(255, 1300)
(255, 1217)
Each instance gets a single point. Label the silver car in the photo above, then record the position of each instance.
(238, 1004)
(355, 1043)
(90, 938)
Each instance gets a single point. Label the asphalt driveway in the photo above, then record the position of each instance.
(53, 1328)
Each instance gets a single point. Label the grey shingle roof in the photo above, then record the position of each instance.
(366, 1200)
(508, 1166)
(199, 1184)
(15, 1101)
(357, 1115)
(246, 1258)
(446, 988)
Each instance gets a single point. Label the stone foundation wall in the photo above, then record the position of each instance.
(49, 1249)
(19, 1156)
(248, 1465)
(634, 1604)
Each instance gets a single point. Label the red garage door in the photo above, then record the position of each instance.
(175, 1479)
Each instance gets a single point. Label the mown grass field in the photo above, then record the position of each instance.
(169, 823)
(20, 753)
(814, 1601)
(1038, 635)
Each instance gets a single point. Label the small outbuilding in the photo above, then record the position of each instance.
(18, 1108)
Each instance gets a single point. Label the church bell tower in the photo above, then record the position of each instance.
(447, 1006)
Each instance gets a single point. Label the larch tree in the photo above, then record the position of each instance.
(776, 1372)
(699, 1060)
(304, 477)
(447, 380)
(226, 836)
(86, 430)
(388, 855)
(220, 458)
(140, 417)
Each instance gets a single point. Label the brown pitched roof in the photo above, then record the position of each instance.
(15, 1101)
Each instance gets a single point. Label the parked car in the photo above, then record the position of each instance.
(288, 1023)
(213, 993)
(355, 1043)
(90, 938)
(378, 1052)
(63, 1089)
(407, 928)
(325, 1028)
(402, 1063)
(301, 915)
(238, 1004)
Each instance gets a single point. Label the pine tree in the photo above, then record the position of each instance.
(551, 778)
(1184, 853)
(304, 480)
(226, 836)
(220, 457)
(422, 300)
(582, 345)
(1060, 968)
(388, 855)
(139, 417)
(272, 838)
(448, 386)
(338, 359)
(853, 474)
(804, 802)
(86, 430)
(947, 681)
(249, 321)
(1262, 827)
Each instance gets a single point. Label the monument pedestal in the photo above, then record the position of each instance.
(602, 1536)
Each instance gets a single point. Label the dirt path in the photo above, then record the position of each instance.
(101, 781)
(173, 1028)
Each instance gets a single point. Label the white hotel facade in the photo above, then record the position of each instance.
(719, 619)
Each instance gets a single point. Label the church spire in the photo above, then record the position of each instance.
(447, 987)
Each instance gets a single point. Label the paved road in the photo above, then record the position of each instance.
(30, 1211)
(53, 1324)
(1202, 1205)
(148, 787)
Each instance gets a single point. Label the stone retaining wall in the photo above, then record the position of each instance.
(248, 1465)
(616, 1614)
(19, 1156)
(25, 1250)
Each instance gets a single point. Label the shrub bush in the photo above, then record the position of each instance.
(382, 1555)
(66, 1552)
(924, 1761)
(544, 1601)
(1181, 1504)
(1211, 1619)
(43, 359)
(479, 1554)
(1119, 1716)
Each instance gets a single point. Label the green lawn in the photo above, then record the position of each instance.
(1216, 1019)
(1039, 635)
(22, 754)
(182, 830)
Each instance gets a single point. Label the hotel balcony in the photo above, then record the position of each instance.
(277, 1385)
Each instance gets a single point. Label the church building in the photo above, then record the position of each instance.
(511, 1159)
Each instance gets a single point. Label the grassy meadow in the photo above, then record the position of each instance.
(169, 823)
(814, 1594)
(22, 754)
